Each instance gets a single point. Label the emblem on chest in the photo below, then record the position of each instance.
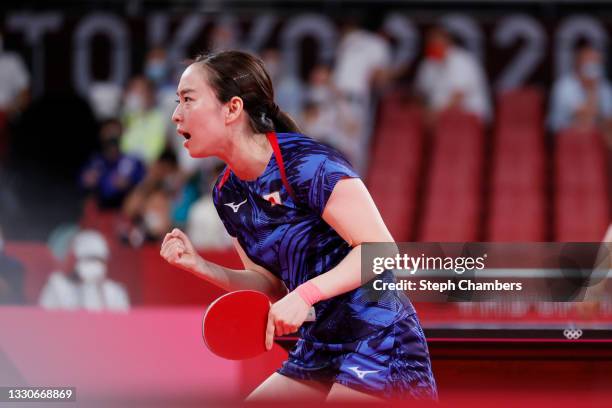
(273, 198)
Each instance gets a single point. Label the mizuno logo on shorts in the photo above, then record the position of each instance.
(361, 373)
(235, 207)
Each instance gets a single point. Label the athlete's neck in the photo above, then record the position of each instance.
(248, 155)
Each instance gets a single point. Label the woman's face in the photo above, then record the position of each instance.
(199, 116)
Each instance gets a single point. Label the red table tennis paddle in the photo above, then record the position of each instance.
(234, 325)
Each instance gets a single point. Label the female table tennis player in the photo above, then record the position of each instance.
(298, 213)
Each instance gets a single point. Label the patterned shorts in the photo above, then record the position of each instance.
(392, 363)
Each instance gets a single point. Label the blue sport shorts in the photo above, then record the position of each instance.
(392, 363)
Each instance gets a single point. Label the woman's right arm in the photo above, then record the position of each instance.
(178, 250)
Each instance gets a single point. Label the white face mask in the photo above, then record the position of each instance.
(91, 270)
(156, 71)
(592, 70)
(153, 221)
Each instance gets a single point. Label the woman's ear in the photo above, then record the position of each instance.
(235, 107)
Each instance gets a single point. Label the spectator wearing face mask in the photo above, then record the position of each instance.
(158, 71)
(86, 287)
(582, 99)
(144, 124)
(110, 175)
(452, 78)
(11, 278)
(156, 68)
(362, 67)
(328, 117)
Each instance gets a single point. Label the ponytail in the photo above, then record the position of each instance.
(237, 73)
(283, 123)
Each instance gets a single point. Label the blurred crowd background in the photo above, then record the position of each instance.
(467, 122)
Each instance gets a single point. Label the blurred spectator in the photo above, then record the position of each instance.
(14, 81)
(204, 226)
(145, 126)
(158, 70)
(190, 191)
(105, 100)
(452, 78)
(87, 286)
(11, 278)
(363, 59)
(583, 97)
(149, 207)
(111, 175)
(60, 240)
(288, 90)
(14, 92)
(223, 35)
(327, 116)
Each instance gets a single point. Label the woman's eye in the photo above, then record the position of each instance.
(187, 99)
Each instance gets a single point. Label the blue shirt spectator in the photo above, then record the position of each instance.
(111, 175)
(582, 98)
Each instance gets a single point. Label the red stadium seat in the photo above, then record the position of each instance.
(393, 176)
(105, 222)
(581, 217)
(517, 201)
(517, 217)
(522, 105)
(582, 199)
(452, 203)
(580, 162)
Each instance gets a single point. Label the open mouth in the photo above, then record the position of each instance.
(186, 135)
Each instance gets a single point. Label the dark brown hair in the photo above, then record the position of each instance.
(238, 73)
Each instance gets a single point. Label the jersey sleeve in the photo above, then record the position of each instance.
(218, 206)
(318, 177)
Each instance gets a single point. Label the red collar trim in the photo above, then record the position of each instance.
(279, 159)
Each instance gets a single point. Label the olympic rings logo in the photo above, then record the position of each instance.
(572, 334)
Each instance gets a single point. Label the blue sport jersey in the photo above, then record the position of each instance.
(372, 342)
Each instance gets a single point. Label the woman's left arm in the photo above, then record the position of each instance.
(350, 211)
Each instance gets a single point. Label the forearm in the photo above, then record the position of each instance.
(351, 212)
(343, 278)
(239, 279)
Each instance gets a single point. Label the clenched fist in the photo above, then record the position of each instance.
(178, 250)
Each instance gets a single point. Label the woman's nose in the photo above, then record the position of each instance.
(177, 116)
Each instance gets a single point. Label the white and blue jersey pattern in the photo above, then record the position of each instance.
(372, 343)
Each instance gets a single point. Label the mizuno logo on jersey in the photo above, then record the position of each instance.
(235, 207)
(273, 198)
(361, 373)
